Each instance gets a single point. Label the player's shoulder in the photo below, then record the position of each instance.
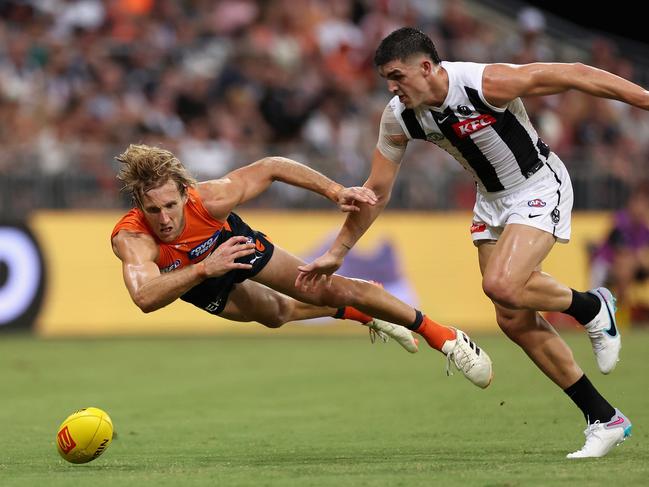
(132, 244)
(211, 198)
(131, 221)
(463, 66)
(464, 73)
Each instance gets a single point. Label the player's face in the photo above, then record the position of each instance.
(163, 209)
(408, 80)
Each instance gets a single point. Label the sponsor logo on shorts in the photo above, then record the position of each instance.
(555, 215)
(478, 227)
(472, 125)
(536, 203)
(214, 305)
(259, 246)
(66, 443)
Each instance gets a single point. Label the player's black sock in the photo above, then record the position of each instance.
(340, 314)
(419, 317)
(591, 402)
(584, 306)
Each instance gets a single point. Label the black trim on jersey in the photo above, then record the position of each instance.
(410, 119)
(555, 211)
(470, 151)
(544, 148)
(512, 133)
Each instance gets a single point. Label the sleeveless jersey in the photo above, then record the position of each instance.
(498, 146)
(201, 235)
(196, 242)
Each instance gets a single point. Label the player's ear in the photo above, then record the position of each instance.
(426, 67)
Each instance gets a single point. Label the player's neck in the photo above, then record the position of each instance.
(438, 88)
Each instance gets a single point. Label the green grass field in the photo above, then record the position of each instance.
(307, 411)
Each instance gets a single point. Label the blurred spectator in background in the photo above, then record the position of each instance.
(238, 79)
(621, 262)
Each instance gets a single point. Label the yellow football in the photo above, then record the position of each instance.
(84, 435)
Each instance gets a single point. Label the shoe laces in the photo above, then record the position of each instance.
(597, 339)
(592, 434)
(377, 335)
(462, 359)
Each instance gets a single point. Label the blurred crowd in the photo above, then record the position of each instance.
(222, 83)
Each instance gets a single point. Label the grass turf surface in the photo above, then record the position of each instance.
(308, 411)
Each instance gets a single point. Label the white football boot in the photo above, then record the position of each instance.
(470, 359)
(603, 332)
(602, 437)
(384, 331)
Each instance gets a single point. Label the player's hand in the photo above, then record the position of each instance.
(222, 260)
(350, 199)
(318, 272)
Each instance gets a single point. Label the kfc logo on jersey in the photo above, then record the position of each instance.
(472, 125)
(536, 203)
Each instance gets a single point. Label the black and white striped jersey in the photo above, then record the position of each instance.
(498, 146)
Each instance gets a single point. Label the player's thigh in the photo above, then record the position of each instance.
(519, 251)
(252, 301)
(280, 274)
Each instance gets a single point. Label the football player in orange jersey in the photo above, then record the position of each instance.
(183, 240)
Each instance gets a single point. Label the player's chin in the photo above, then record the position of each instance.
(166, 235)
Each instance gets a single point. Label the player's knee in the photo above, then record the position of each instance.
(509, 323)
(283, 312)
(279, 312)
(516, 323)
(501, 291)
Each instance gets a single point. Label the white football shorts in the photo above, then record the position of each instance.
(543, 202)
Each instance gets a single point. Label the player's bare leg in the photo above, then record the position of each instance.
(252, 301)
(538, 338)
(512, 277)
(282, 270)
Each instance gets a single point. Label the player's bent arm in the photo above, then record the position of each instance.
(149, 289)
(505, 82)
(223, 195)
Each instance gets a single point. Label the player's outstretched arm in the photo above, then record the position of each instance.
(380, 181)
(505, 82)
(221, 196)
(150, 289)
